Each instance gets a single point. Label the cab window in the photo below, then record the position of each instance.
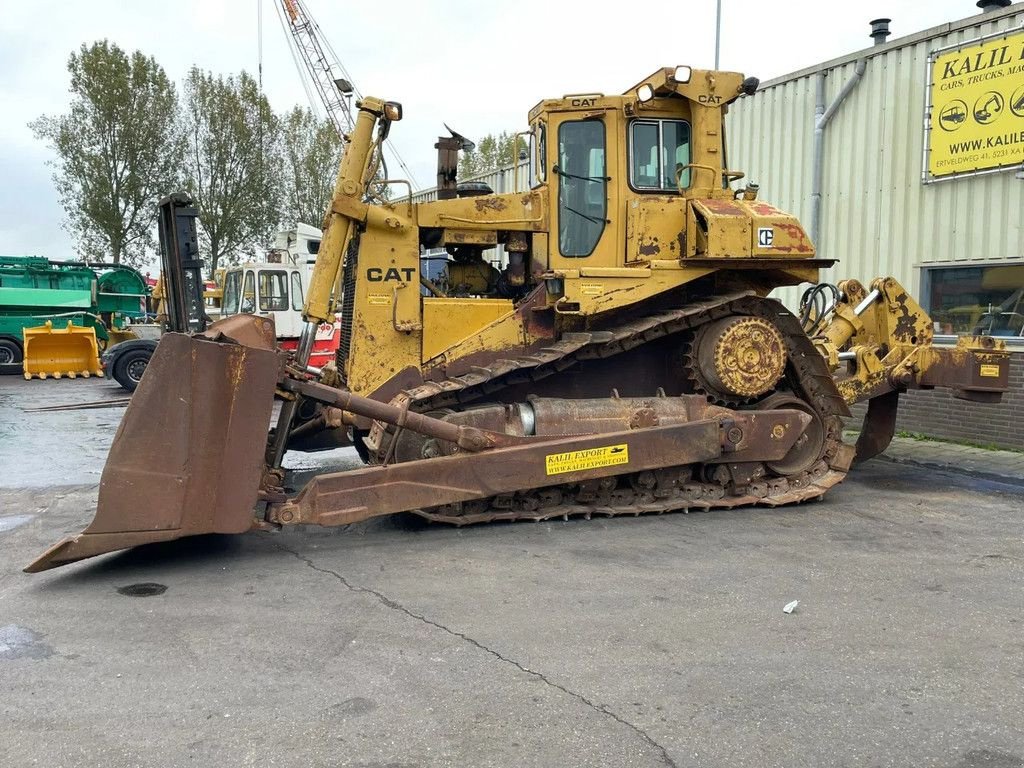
(273, 291)
(582, 187)
(296, 291)
(232, 285)
(658, 151)
(538, 152)
(248, 294)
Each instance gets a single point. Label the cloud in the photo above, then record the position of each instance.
(478, 66)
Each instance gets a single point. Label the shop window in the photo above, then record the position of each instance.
(976, 300)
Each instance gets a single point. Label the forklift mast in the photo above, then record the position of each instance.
(182, 267)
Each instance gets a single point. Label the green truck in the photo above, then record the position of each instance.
(33, 290)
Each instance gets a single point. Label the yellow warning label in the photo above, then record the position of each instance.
(592, 458)
(377, 300)
(989, 370)
(590, 289)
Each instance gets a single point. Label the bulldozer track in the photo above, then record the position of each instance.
(641, 492)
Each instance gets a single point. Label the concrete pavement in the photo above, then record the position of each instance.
(657, 640)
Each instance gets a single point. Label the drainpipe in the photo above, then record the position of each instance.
(822, 116)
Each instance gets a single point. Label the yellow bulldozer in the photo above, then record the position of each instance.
(626, 359)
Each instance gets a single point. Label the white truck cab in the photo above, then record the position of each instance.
(276, 288)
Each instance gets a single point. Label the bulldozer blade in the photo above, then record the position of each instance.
(188, 456)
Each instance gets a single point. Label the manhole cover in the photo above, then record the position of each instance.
(146, 589)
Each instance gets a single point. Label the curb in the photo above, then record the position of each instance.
(989, 476)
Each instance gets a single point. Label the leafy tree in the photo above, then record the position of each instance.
(491, 153)
(118, 150)
(232, 163)
(311, 149)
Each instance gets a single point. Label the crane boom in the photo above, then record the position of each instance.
(324, 71)
(326, 77)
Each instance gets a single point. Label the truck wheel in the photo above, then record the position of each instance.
(130, 366)
(10, 356)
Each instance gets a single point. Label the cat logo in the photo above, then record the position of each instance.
(393, 274)
(765, 237)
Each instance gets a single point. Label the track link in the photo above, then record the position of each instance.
(669, 489)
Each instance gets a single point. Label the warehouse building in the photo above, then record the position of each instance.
(907, 159)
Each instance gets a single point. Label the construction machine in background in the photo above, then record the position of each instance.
(180, 293)
(273, 288)
(627, 360)
(276, 287)
(55, 316)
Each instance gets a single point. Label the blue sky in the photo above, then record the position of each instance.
(477, 66)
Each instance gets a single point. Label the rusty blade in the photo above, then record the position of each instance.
(879, 426)
(188, 456)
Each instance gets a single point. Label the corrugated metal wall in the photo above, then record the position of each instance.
(877, 217)
(502, 181)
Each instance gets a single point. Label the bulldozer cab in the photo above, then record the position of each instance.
(629, 200)
(620, 168)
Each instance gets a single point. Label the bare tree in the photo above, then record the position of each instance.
(118, 150)
(232, 163)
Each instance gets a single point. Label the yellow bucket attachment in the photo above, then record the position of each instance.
(58, 352)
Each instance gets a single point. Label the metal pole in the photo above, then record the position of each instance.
(822, 117)
(289, 407)
(718, 30)
(870, 299)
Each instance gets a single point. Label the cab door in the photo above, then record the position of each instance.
(232, 296)
(584, 195)
(272, 290)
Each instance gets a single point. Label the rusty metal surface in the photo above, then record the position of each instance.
(585, 416)
(465, 384)
(552, 368)
(808, 447)
(248, 330)
(976, 368)
(739, 357)
(188, 455)
(205, 477)
(466, 437)
(886, 339)
(879, 426)
(348, 497)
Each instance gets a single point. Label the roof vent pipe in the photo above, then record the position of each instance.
(987, 6)
(822, 116)
(879, 30)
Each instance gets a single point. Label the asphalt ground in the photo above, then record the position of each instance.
(647, 641)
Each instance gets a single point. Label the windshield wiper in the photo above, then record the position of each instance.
(560, 172)
(587, 216)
